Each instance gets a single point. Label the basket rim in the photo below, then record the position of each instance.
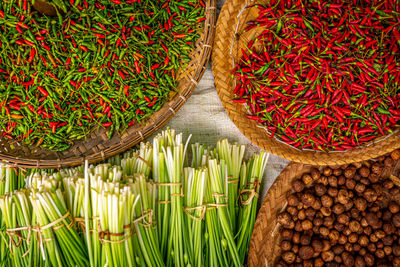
(264, 215)
(222, 64)
(139, 132)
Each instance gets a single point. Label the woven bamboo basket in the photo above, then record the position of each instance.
(231, 22)
(265, 240)
(97, 146)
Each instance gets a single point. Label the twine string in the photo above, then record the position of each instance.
(16, 232)
(202, 208)
(249, 192)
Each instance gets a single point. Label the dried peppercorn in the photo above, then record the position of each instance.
(363, 229)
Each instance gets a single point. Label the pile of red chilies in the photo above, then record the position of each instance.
(327, 74)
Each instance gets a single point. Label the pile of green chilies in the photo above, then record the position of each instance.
(147, 207)
(323, 75)
(99, 63)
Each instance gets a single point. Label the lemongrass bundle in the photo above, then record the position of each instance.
(115, 231)
(160, 178)
(174, 155)
(142, 208)
(103, 180)
(249, 192)
(194, 183)
(10, 179)
(52, 214)
(233, 155)
(17, 219)
(145, 222)
(219, 193)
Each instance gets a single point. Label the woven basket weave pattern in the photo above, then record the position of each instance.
(98, 146)
(228, 41)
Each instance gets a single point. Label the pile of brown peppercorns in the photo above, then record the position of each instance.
(344, 216)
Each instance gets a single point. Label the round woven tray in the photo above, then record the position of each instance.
(265, 240)
(98, 146)
(232, 20)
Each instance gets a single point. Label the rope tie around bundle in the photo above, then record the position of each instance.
(232, 181)
(249, 192)
(145, 162)
(172, 195)
(105, 235)
(218, 204)
(16, 232)
(202, 215)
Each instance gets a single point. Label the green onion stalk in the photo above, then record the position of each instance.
(232, 154)
(219, 189)
(174, 157)
(194, 183)
(144, 222)
(250, 178)
(201, 154)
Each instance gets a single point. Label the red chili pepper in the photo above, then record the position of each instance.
(43, 91)
(137, 66)
(17, 117)
(84, 48)
(32, 55)
(45, 46)
(14, 106)
(122, 75)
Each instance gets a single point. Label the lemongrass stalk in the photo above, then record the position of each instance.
(232, 154)
(249, 188)
(130, 202)
(96, 187)
(194, 189)
(10, 179)
(174, 156)
(28, 244)
(116, 227)
(218, 185)
(160, 177)
(105, 203)
(214, 254)
(138, 161)
(8, 208)
(145, 228)
(87, 213)
(201, 154)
